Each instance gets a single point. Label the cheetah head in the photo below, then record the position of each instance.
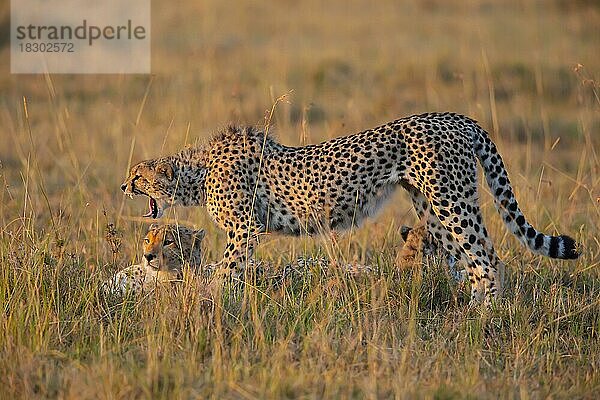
(168, 247)
(167, 182)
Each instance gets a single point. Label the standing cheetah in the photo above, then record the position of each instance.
(251, 184)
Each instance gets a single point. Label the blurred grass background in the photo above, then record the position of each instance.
(526, 70)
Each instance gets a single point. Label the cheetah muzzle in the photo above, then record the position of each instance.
(165, 183)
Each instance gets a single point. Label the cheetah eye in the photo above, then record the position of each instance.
(146, 240)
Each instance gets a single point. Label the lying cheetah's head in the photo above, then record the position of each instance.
(167, 182)
(168, 247)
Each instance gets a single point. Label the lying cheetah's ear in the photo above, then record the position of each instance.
(404, 231)
(152, 227)
(199, 235)
(166, 169)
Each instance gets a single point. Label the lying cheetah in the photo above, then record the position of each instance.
(251, 184)
(166, 249)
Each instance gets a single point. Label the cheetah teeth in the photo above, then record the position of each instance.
(153, 208)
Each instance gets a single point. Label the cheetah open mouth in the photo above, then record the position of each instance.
(153, 208)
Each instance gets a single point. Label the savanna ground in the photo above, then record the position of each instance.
(345, 66)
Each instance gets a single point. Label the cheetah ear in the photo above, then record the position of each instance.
(152, 227)
(404, 231)
(199, 235)
(165, 168)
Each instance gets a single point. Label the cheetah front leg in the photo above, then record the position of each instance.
(232, 211)
(239, 249)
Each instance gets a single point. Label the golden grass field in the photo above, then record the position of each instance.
(526, 70)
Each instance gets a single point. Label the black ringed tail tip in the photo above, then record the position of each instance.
(569, 248)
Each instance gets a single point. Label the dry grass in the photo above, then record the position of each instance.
(350, 65)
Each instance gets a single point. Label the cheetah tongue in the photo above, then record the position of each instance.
(153, 208)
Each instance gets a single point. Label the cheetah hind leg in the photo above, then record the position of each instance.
(438, 240)
(486, 282)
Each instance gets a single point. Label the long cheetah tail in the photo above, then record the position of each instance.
(562, 247)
